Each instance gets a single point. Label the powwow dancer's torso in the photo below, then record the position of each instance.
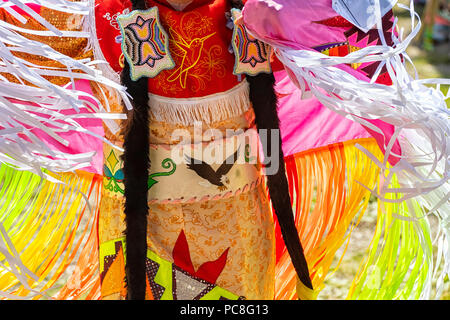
(210, 230)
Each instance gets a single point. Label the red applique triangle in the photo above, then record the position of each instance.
(208, 271)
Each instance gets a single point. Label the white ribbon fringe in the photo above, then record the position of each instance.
(26, 107)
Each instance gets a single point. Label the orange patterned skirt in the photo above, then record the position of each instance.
(219, 247)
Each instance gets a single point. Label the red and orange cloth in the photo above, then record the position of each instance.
(198, 42)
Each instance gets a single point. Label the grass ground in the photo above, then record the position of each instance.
(429, 64)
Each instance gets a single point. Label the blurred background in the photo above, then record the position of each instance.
(431, 56)
(431, 50)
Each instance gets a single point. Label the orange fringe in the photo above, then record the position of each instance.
(327, 193)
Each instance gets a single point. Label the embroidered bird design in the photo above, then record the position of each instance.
(189, 52)
(216, 177)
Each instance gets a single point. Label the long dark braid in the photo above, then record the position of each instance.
(136, 165)
(264, 101)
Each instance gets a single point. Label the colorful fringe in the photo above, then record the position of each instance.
(51, 232)
(329, 190)
(399, 261)
(50, 228)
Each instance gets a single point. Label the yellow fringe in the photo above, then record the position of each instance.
(399, 260)
(48, 235)
(305, 293)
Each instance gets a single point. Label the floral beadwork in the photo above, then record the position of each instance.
(144, 43)
(252, 55)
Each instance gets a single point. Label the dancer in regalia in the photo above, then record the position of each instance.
(188, 149)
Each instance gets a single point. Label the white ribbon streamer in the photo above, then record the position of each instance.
(39, 106)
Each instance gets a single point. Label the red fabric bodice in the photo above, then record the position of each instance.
(199, 42)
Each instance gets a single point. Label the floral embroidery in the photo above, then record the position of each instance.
(189, 52)
(210, 64)
(195, 58)
(208, 235)
(113, 19)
